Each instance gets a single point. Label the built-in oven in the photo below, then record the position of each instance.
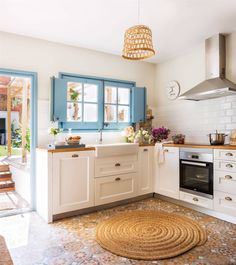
(196, 171)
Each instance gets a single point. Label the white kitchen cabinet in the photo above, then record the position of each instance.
(167, 173)
(114, 165)
(73, 181)
(116, 178)
(115, 188)
(145, 180)
(225, 203)
(225, 181)
(225, 165)
(229, 155)
(197, 200)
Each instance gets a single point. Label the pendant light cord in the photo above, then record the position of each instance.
(138, 12)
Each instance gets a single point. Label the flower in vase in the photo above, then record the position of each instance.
(160, 134)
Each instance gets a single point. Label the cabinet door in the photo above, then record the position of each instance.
(145, 183)
(73, 181)
(168, 174)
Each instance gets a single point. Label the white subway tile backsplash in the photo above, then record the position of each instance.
(225, 105)
(226, 119)
(231, 99)
(231, 126)
(231, 112)
(197, 119)
(234, 104)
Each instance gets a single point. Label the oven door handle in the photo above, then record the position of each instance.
(194, 163)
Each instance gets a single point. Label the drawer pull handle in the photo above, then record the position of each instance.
(229, 154)
(228, 199)
(145, 150)
(195, 199)
(166, 150)
(117, 179)
(75, 155)
(228, 177)
(229, 165)
(117, 165)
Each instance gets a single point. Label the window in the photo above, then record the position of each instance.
(117, 104)
(92, 103)
(82, 102)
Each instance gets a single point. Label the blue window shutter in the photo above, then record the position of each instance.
(59, 96)
(138, 104)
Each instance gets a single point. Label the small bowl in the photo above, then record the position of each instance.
(72, 140)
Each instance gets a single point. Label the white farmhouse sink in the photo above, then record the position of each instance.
(118, 149)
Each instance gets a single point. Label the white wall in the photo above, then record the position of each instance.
(195, 119)
(47, 59)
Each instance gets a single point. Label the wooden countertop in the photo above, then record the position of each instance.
(90, 148)
(226, 146)
(146, 144)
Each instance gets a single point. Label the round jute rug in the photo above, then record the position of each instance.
(149, 235)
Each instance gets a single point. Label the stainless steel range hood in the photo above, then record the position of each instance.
(215, 85)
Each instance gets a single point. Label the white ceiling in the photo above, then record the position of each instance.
(177, 25)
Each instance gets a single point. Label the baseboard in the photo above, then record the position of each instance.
(213, 213)
(101, 207)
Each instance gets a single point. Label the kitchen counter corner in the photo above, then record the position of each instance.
(189, 145)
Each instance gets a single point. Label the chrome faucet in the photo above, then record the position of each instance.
(105, 124)
(100, 136)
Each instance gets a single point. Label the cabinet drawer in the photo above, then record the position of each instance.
(225, 203)
(115, 188)
(225, 154)
(224, 165)
(225, 181)
(197, 200)
(109, 167)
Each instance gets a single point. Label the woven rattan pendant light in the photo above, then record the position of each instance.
(138, 42)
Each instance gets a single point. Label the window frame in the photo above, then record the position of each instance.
(118, 125)
(101, 124)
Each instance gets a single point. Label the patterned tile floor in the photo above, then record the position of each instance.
(72, 241)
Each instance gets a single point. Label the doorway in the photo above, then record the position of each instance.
(18, 137)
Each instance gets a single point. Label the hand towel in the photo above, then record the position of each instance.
(159, 153)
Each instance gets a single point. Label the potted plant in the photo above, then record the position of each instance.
(160, 134)
(54, 131)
